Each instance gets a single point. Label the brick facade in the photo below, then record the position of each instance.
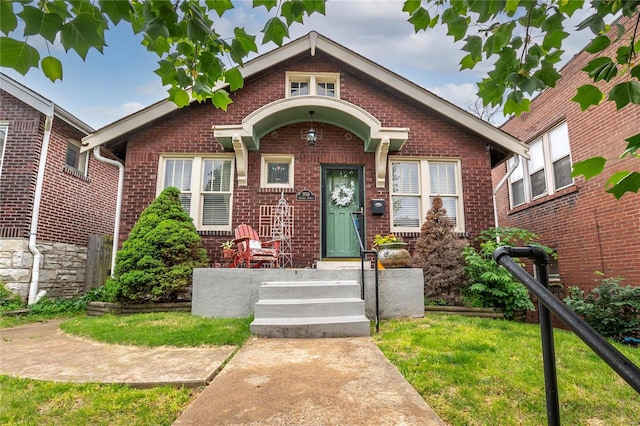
(590, 229)
(190, 131)
(72, 207)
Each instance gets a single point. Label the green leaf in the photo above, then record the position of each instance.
(598, 44)
(588, 95)
(116, 10)
(570, 6)
(458, 27)
(220, 6)
(275, 30)
(554, 40)
(179, 97)
(52, 68)
(473, 45)
(293, 11)
(589, 168)
(268, 4)
(635, 72)
(468, 62)
(82, 33)
(633, 146)
(420, 19)
(37, 22)
(594, 22)
(221, 99)
(18, 55)
(410, 6)
(233, 76)
(547, 74)
(8, 22)
(248, 42)
(622, 182)
(166, 71)
(490, 91)
(516, 104)
(623, 54)
(625, 93)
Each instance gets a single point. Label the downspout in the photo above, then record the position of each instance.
(34, 295)
(510, 171)
(116, 226)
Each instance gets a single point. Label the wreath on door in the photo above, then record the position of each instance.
(342, 195)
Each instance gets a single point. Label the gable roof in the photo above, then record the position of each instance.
(313, 42)
(41, 104)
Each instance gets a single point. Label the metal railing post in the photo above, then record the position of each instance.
(363, 253)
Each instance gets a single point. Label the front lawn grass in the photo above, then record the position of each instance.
(32, 402)
(474, 371)
(158, 329)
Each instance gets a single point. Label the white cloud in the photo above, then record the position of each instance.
(101, 115)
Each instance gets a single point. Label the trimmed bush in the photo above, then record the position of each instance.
(611, 309)
(439, 253)
(155, 263)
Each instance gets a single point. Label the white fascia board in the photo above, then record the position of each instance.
(424, 97)
(26, 95)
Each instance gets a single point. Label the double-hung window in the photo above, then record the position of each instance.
(206, 188)
(547, 171)
(414, 185)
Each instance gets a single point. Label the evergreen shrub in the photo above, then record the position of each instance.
(155, 263)
(439, 253)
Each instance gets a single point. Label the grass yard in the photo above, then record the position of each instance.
(486, 372)
(471, 371)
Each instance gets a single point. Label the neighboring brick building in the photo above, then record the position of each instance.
(379, 137)
(590, 229)
(78, 194)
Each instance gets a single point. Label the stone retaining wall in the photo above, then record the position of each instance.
(62, 268)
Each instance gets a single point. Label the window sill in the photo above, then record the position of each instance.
(277, 190)
(76, 173)
(544, 199)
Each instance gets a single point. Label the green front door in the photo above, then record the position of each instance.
(342, 194)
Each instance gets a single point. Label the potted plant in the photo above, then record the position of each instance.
(227, 249)
(392, 252)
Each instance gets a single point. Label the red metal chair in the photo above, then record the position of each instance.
(251, 252)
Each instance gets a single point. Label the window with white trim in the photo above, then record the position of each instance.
(206, 188)
(277, 171)
(316, 84)
(4, 130)
(547, 171)
(76, 160)
(414, 184)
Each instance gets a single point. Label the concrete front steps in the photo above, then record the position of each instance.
(310, 309)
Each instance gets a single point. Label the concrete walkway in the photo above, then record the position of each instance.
(345, 381)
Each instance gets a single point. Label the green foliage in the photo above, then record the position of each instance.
(525, 38)
(438, 253)
(156, 261)
(9, 301)
(59, 307)
(611, 309)
(192, 55)
(490, 284)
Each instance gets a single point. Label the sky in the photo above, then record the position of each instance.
(121, 81)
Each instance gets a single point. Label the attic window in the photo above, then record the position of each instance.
(317, 84)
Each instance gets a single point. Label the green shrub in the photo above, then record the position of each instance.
(611, 309)
(9, 301)
(490, 285)
(156, 262)
(48, 306)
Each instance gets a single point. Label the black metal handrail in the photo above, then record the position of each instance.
(363, 254)
(548, 303)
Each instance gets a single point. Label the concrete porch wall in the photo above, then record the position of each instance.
(232, 293)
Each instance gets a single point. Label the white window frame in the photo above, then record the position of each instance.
(266, 159)
(425, 194)
(313, 79)
(3, 143)
(196, 191)
(547, 157)
(83, 158)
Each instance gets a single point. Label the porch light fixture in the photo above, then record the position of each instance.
(311, 133)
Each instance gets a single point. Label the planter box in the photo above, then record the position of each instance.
(473, 312)
(101, 308)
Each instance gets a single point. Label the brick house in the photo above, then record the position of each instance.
(590, 230)
(378, 137)
(52, 196)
